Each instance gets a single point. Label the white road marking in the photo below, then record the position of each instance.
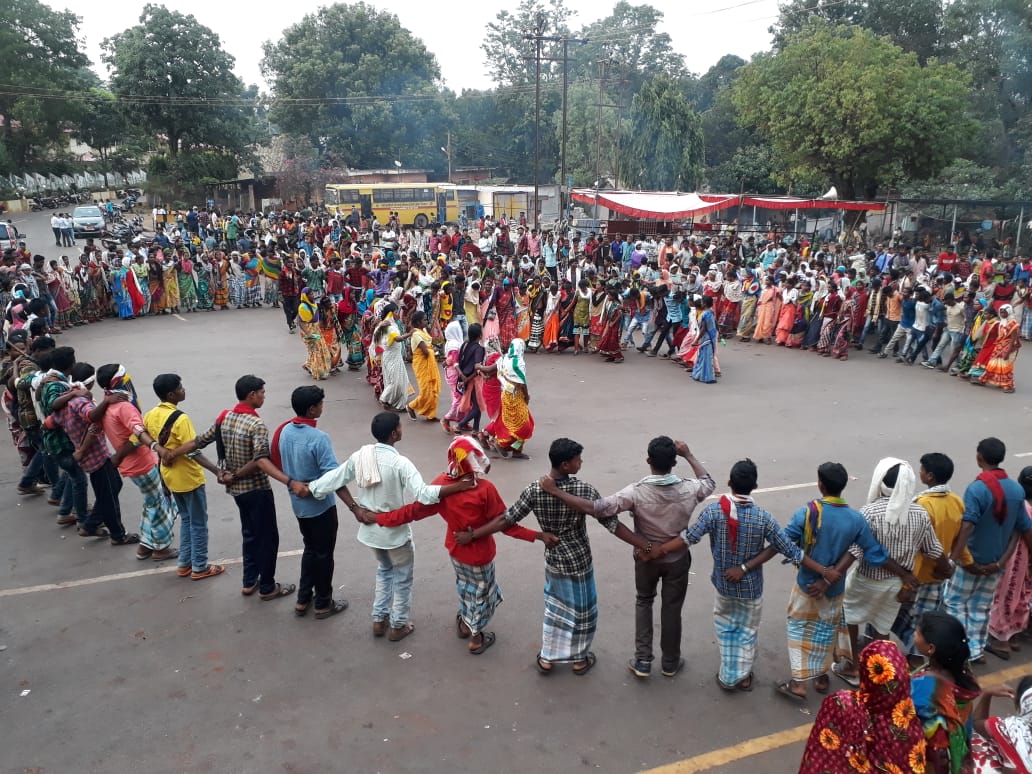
(182, 319)
(116, 577)
(785, 488)
(1024, 454)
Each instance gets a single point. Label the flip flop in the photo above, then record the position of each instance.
(746, 688)
(208, 572)
(784, 690)
(301, 608)
(487, 639)
(336, 606)
(279, 591)
(587, 664)
(999, 652)
(249, 590)
(461, 630)
(540, 663)
(822, 688)
(850, 680)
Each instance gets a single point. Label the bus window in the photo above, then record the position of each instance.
(331, 196)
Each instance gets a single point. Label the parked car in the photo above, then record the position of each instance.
(8, 236)
(88, 220)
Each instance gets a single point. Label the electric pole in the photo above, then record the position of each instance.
(564, 198)
(603, 65)
(537, 37)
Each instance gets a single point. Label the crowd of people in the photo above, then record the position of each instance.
(947, 576)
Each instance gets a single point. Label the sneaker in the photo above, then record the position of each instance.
(36, 489)
(640, 668)
(671, 671)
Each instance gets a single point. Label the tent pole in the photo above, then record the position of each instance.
(1021, 225)
(953, 227)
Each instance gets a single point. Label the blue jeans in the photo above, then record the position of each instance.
(41, 462)
(75, 489)
(193, 528)
(393, 596)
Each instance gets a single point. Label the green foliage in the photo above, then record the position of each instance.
(173, 76)
(665, 151)
(510, 58)
(962, 179)
(185, 176)
(330, 73)
(864, 113)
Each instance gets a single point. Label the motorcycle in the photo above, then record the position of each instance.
(35, 204)
(128, 203)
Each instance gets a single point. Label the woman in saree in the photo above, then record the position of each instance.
(220, 280)
(550, 335)
(318, 362)
(170, 282)
(565, 312)
(187, 284)
(539, 295)
(351, 336)
(204, 268)
(768, 307)
(71, 291)
(815, 316)
(101, 289)
(521, 312)
(999, 368)
(471, 302)
(374, 374)
(388, 344)
(973, 342)
(850, 316)
(120, 292)
(685, 354)
(830, 323)
(803, 312)
(512, 315)
(1009, 613)
(787, 313)
(453, 340)
(329, 329)
(582, 316)
(87, 300)
(252, 282)
(56, 288)
(612, 322)
(1003, 744)
(598, 300)
(988, 336)
(156, 284)
(424, 366)
(490, 388)
(514, 425)
(703, 370)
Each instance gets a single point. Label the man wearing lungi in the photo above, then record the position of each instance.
(571, 602)
(824, 529)
(994, 515)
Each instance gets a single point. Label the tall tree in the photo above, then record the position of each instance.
(174, 75)
(359, 86)
(665, 151)
(510, 56)
(864, 113)
(41, 52)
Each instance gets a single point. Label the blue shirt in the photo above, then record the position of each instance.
(937, 313)
(989, 540)
(841, 527)
(548, 253)
(909, 313)
(306, 453)
(755, 527)
(674, 311)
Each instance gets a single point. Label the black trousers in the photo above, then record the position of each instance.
(260, 538)
(106, 485)
(320, 538)
(647, 577)
(290, 304)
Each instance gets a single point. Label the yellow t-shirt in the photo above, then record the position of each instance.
(185, 475)
(946, 510)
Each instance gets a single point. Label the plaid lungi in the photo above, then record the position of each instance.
(929, 597)
(814, 628)
(968, 598)
(571, 616)
(159, 511)
(479, 595)
(736, 622)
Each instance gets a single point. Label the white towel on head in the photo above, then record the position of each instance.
(900, 496)
(367, 471)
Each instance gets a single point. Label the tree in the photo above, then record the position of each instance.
(175, 77)
(666, 146)
(510, 57)
(359, 86)
(40, 54)
(863, 112)
(102, 126)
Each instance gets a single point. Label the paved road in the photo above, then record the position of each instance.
(127, 668)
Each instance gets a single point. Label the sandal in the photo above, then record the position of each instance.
(99, 532)
(785, 690)
(129, 539)
(461, 630)
(822, 684)
(301, 608)
(208, 572)
(278, 591)
(336, 606)
(724, 686)
(585, 666)
(746, 683)
(998, 650)
(183, 572)
(487, 639)
(851, 680)
(544, 667)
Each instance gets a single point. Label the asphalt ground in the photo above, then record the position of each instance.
(114, 665)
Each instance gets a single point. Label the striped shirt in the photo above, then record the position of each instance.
(902, 541)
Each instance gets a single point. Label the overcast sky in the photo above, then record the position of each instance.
(703, 31)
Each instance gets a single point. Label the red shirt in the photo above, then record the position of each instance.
(356, 276)
(472, 508)
(334, 282)
(947, 261)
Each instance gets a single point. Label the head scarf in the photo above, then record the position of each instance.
(512, 367)
(1008, 309)
(466, 457)
(307, 311)
(875, 728)
(453, 337)
(900, 496)
(493, 345)
(122, 383)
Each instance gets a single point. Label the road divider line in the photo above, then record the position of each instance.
(116, 577)
(771, 742)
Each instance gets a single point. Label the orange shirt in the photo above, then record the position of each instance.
(122, 420)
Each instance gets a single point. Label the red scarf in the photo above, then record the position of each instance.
(240, 408)
(732, 521)
(274, 452)
(992, 478)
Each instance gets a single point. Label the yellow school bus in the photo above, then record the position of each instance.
(417, 204)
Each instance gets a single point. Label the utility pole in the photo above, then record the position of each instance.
(603, 65)
(537, 37)
(447, 152)
(564, 198)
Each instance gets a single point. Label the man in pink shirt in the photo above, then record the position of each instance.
(119, 414)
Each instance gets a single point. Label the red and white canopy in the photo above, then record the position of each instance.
(665, 205)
